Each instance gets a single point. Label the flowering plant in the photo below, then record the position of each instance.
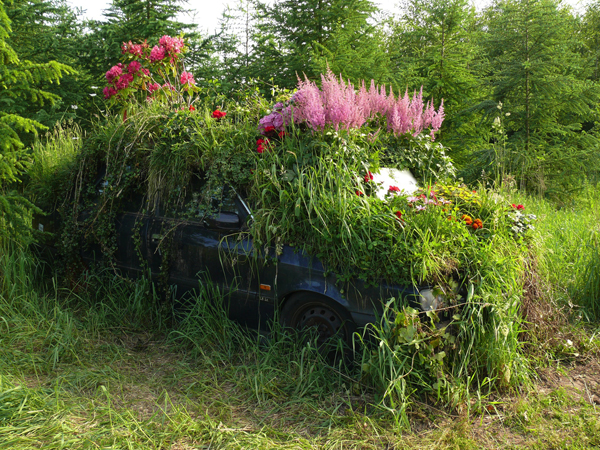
(339, 105)
(151, 74)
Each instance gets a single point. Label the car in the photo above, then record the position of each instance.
(188, 245)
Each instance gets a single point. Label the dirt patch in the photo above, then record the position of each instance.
(582, 380)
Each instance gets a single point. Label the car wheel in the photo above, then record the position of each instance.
(308, 311)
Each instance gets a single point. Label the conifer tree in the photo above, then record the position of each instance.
(434, 45)
(539, 78)
(19, 79)
(292, 33)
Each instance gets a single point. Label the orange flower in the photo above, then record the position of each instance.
(467, 219)
(477, 223)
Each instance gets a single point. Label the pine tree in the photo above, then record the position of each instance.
(19, 79)
(43, 31)
(293, 35)
(538, 76)
(434, 45)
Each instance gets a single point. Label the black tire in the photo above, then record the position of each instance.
(305, 311)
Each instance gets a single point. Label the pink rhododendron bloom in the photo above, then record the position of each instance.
(134, 67)
(113, 73)
(124, 81)
(157, 54)
(109, 91)
(153, 87)
(134, 49)
(168, 86)
(187, 78)
(146, 72)
(171, 45)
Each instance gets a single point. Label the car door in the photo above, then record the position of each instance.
(213, 247)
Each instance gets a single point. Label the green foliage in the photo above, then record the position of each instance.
(434, 44)
(300, 37)
(538, 77)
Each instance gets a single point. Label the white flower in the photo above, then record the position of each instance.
(74, 106)
(93, 95)
(94, 87)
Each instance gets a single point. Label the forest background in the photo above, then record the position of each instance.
(519, 79)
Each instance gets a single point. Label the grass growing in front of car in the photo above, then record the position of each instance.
(79, 371)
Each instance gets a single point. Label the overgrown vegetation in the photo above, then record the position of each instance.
(520, 274)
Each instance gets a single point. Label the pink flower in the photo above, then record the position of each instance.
(157, 54)
(153, 87)
(113, 73)
(146, 72)
(171, 45)
(109, 91)
(124, 81)
(134, 49)
(187, 78)
(134, 67)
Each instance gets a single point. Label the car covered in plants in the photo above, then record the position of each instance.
(290, 214)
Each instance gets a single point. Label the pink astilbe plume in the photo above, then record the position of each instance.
(338, 104)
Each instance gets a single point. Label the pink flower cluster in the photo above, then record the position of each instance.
(120, 80)
(167, 46)
(187, 78)
(134, 49)
(277, 120)
(338, 104)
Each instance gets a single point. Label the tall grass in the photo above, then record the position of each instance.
(566, 244)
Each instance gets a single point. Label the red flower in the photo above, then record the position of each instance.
(393, 189)
(359, 193)
(518, 207)
(398, 215)
(368, 177)
(192, 108)
(281, 134)
(218, 114)
(269, 129)
(261, 145)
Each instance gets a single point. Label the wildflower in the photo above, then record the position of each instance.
(393, 189)
(368, 177)
(192, 108)
(412, 199)
(219, 115)
(261, 145)
(359, 193)
(74, 107)
(420, 208)
(281, 134)
(468, 220)
(477, 223)
(187, 78)
(92, 95)
(269, 128)
(398, 215)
